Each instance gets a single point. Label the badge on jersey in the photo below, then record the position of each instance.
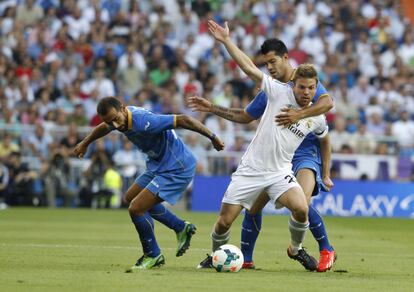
(309, 123)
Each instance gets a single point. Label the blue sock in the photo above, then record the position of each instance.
(250, 231)
(317, 228)
(145, 228)
(166, 217)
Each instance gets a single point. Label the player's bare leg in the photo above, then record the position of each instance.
(221, 231)
(259, 204)
(184, 230)
(131, 193)
(307, 180)
(138, 210)
(294, 199)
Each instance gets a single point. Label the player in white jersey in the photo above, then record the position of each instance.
(266, 165)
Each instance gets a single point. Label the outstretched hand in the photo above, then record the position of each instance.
(80, 150)
(218, 32)
(197, 103)
(288, 116)
(327, 182)
(217, 143)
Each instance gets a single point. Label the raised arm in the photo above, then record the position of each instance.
(222, 34)
(326, 161)
(189, 123)
(290, 116)
(238, 115)
(99, 131)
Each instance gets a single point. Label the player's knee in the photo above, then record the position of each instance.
(300, 212)
(308, 198)
(135, 210)
(223, 224)
(125, 199)
(254, 210)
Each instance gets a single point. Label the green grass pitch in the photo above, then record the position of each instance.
(89, 250)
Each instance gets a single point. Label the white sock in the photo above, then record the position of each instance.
(297, 234)
(219, 239)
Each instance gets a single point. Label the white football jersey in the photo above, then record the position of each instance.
(273, 146)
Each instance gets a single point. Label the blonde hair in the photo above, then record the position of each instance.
(305, 71)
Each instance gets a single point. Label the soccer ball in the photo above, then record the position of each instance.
(228, 258)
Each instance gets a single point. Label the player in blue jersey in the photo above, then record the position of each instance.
(312, 175)
(170, 168)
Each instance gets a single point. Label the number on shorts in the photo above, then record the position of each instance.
(291, 178)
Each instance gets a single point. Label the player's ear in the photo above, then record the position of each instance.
(286, 56)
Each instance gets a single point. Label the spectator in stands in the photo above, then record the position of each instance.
(129, 161)
(99, 83)
(339, 136)
(376, 124)
(406, 50)
(373, 107)
(187, 25)
(393, 114)
(361, 93)
(193, 142)
(112, 143)
(362, 141)
(92, 183)
(160, 75)
(29, 13)
(70, 140)
(4, 183)
(403, 130)
(78, 117)
(59, 180)
(21, 180)
(7, 146)
(238, 146)
(39, 141)
(111, 195)
(130, 78)
(67, 73)
(342, 104)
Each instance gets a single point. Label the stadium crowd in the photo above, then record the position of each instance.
(58, 58)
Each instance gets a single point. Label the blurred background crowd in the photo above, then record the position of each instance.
(58, 58)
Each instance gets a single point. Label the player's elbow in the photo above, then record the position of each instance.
(182, 121)
(329, 104)
(325, 143)
(254, 73)
(245, 120)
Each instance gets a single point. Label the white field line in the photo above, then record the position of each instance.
(206, 250)
(44, 245)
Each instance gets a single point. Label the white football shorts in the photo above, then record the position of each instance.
(247, 184)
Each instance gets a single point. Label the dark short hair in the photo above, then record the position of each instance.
(274, 45)
(106, 103)
(305, 71)
(16, 153)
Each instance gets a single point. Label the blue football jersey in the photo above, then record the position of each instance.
(153, 134)
(309, 148)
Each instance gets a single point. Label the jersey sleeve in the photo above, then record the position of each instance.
(322, 129)
(153, 124)
(257, 106)
(320, 91)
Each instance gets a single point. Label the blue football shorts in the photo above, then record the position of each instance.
(169, 186)
(315, 167)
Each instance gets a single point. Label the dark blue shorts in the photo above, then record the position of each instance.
(169, 186)
(317, 169)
